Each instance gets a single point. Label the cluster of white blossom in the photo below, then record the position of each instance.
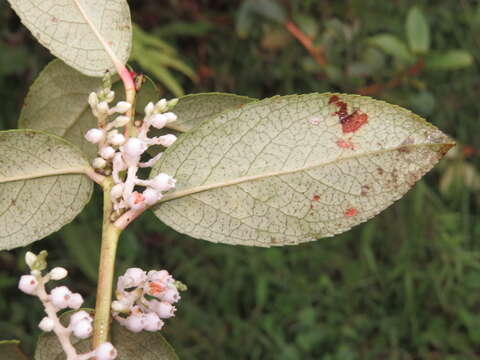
(59, 298)
(120, 153)
(144, 299)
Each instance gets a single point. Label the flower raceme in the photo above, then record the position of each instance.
(144, 299)
(120, 156)
(59, 298)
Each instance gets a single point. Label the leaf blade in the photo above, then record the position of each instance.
(43, 186)
(418, 31)
(81, 32)
(249, 194)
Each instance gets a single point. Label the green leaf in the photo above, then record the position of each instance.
(139, 346)
(43, 186)
(418, 31)
(193, 109)
(392, 46)
(80, 31)
(9, 350)
(451, 60)
(285, 170)
(270, 9)
(55, 106)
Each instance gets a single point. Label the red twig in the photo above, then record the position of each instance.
(306, 41)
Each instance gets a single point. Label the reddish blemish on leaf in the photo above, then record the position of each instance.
(351, 212)
(350, 122)
(316, 197)
(345, 144)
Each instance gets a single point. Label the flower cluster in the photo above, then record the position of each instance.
(120, 154)
(144, 299)
(59, 298)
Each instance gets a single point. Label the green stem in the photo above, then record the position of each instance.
(110, 235)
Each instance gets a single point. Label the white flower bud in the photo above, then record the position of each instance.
(107, 152)
(121, 107)
(151, 196)
(75, 301)
(121, 121)
(79, 316)
(105, 351)
(170, 295)
(30, 258)
(151, 322)
(93, 100)
(46, 324)
(161, 106)
(162, 276)
(99, 163)
(110, 96)
(117, 139)
(159, 121)
(117, 191)
(171, 117)
(28, 284)
(134, 323)
(162, 182)
(136, 276)
(60, 296)
(149, 109)
(163, 309)
(134, 147)
(82, 329)
(167, 140)
(58, 273)
(94, 135)
(102, 108)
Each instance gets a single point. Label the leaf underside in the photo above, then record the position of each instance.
(139, 346)
(9, 350)
(292, 169)
(62, 27)
(42, 186)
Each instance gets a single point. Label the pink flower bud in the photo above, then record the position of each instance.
(151, 322)
(46, 324)
(28, 284)
(60, 296)
(116, 191)
(75, 301)
(94, 135)
(121, 107)
(171, 295)
(134, 323)
(99, 163)
(159, 121)
(136, 276)
(107, 152)
(167, 140)
(149, 109)
(162, 182)
(106, 351)
(79, 316)
(171, 117)
(82, 329)
(151, 196)
(163, 309)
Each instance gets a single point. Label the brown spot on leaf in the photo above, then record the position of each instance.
(404, 148)
(350, 122)
(316, 197)
(345, 144)
(380, 171)
(351, 212)
(54, 19)
(365, 190)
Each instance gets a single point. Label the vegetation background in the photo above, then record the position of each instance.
(405, 285)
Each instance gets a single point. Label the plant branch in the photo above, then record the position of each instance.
(393, 83)
(110, 235)
(306, 41)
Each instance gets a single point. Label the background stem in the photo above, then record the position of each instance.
(110, 235)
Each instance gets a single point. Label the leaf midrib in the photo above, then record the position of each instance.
(55, 172)
(205, 187)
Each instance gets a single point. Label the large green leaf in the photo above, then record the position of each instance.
(130, 346)
(57, 103)
(80, 32)
(9, 350)
(292, 169)
(193, 109)
(43, 186)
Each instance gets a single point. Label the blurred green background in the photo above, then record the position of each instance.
(405, 285)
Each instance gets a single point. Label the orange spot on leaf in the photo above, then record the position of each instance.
(345, 144)
(316, 197)
(351, 212)
(350, 122)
